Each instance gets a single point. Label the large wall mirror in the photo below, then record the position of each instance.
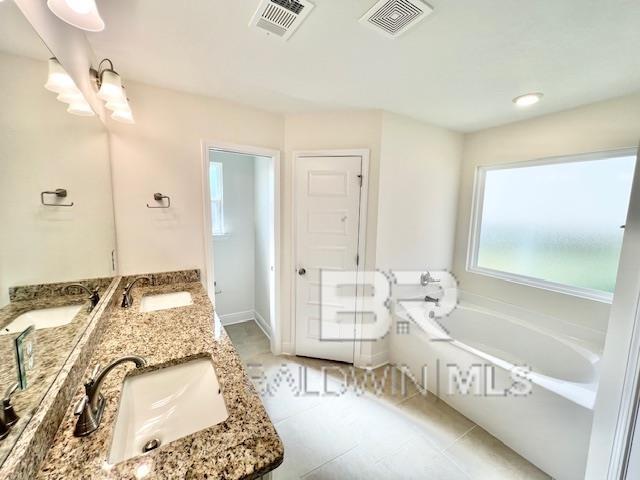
(56, 212)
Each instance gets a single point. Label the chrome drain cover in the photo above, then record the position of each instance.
(151, 445)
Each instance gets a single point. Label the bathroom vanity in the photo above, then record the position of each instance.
(242, 444)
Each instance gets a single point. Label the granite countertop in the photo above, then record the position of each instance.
(245, 446)
(52, 346)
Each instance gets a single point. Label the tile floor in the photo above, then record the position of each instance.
(370, 431)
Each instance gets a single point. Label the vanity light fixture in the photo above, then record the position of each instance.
(61, 83)
(82, 14)
(81, 108)
(124, 116)
(528, 99)
(59, 80)
(112, 92)
(72, 97)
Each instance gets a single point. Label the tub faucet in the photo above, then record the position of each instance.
(127, 300)
(426, 279)
(90, 407)
(94, 295)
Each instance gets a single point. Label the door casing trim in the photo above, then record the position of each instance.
(208, 277)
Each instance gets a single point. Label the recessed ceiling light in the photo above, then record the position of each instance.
(528, 99)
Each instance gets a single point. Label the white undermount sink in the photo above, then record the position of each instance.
(151, 303)
(164, 405)
(44, 318)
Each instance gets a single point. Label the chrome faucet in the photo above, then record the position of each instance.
(90, 407)
(9, 416)
(5, 430)
(94, 295)
(127, 300)
(427, 279)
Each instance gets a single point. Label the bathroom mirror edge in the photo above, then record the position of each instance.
(31, 446)
(58, 245)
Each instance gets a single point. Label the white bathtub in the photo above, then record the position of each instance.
(551, 425)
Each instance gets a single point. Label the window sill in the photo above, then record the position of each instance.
(221, 236)
(586, 293)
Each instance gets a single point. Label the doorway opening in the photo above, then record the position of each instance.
(241, 225)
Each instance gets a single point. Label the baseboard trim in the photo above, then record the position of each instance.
(238, 317)
(247, 316)
(288, 348)
(373, 361)
(262, 323)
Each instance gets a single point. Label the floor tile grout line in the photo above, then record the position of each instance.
(407, 399)
(455, 463)
(329, 461)
(451, 459)
(305, 410)
(460, 438)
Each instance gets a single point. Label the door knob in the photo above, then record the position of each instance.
(302, 271)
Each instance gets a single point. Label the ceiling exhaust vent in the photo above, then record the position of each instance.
(281, 17)
(394, 17)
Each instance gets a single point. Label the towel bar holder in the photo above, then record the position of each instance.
(158, 197)
(59, 193)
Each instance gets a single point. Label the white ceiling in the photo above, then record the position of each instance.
(17, 36)
(460, 68)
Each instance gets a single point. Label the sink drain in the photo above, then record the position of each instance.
(151, 445)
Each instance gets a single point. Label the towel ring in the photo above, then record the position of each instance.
(59, 193)
(158, 197)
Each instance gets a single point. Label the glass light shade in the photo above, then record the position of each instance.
(71, 97)
(111, 87)
(59, 80)
(124, 116)
(117, 105)
(79, 13)
(81, 108)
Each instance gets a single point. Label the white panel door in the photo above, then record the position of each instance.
(327, 197)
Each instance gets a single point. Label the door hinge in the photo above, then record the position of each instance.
(360, 178)
(357, 260)
(113, 260)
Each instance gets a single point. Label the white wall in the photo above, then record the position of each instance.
(264, 219)
(42, 147)
(162, 152)
(419, 177)
(601, 126)
(233, 253)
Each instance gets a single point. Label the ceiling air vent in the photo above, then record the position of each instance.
(394, 17)
(281, 17)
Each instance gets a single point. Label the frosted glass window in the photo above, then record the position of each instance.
(554, 223)
(217, 211)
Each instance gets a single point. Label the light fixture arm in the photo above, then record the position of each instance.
(112, 91)
(99, 72)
